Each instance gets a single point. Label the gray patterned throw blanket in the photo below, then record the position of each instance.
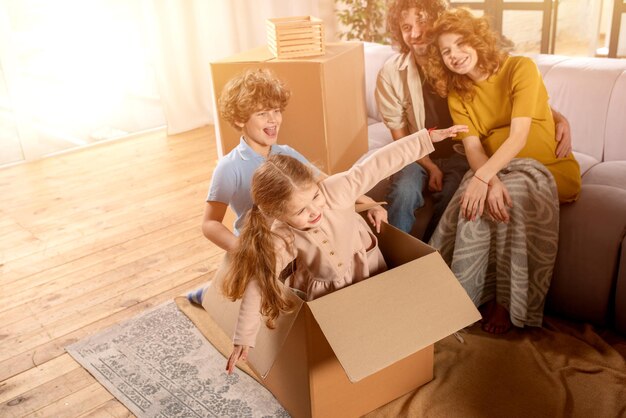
(511, 262)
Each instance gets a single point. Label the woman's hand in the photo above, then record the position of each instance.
(499, 201)
(376, 216)
(437, 135)
(473, 199)
(240, 352)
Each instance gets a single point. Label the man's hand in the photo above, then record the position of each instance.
(435, 178)
(376, 216)
(240, 352)
(499, 201)
(563, 135)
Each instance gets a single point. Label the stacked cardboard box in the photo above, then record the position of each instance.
(326, 119)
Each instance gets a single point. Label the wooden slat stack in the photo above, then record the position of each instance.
(297, 36)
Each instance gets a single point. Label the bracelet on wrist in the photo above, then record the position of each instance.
(481, 180)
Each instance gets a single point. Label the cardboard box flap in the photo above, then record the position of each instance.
(269, 341)
(388, 317)
(399, 247)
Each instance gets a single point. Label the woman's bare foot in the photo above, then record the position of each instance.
(486, 309)
(497, 320)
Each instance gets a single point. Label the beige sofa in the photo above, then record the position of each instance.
(589, 281)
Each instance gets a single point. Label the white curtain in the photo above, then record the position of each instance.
(75, 72)
(188, 35)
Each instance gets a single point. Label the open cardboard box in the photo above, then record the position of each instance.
(354, 350)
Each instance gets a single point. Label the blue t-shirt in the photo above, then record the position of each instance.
(232, 177)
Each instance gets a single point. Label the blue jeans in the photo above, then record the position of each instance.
(406, 193)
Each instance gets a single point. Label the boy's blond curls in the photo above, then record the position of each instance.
(249, 92)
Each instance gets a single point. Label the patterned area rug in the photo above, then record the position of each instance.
(159, 365)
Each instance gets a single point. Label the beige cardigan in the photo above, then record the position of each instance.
(341, 250)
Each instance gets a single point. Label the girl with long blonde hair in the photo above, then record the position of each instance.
(313, 223)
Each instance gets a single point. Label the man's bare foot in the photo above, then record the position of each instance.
(498, 320)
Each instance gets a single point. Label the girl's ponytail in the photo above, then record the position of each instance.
(273, 185)
(255, 258)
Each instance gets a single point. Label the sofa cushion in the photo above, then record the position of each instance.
(545, 62)
(614, 142)
(378, 135)
(375, 57)
(609, 173)
(581, 89)
(585, 162)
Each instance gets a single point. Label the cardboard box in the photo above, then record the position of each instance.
(354, 350)
(326, 118)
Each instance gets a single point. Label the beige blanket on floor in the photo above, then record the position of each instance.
(561, 370)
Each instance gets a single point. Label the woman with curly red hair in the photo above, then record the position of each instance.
(500, 234)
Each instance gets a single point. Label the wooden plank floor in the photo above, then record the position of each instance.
(89, 239)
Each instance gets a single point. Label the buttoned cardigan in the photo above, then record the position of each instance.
(340, 251)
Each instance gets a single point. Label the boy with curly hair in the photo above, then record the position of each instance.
(252, 102)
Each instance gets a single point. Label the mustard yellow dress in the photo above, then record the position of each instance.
(510, 262)
(517, 90)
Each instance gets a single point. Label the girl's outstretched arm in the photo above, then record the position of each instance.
(251, 310)
(240, 352)
(249, 319)
(342, 189)
(378, 214)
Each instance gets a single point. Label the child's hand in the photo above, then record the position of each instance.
(240, 352)
(376, 216)
(437, 135)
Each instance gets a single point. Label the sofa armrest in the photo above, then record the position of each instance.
(591, 232)
(620, 292)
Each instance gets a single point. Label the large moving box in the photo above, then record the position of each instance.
(354, 350)
(326, 118)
